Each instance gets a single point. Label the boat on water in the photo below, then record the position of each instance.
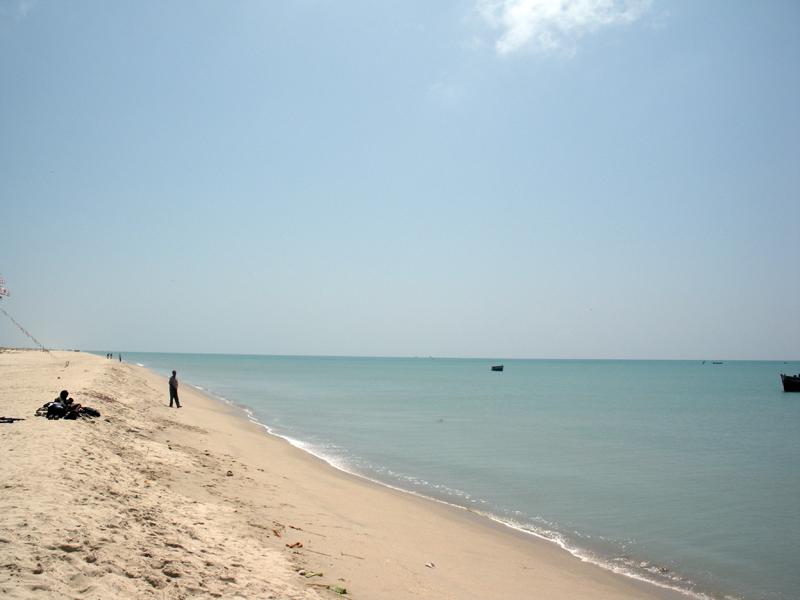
(791, 383)
(497, 368)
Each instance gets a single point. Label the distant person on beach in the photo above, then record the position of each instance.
(173, 390)
(120, 358)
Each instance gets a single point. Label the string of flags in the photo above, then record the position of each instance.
(4, 293)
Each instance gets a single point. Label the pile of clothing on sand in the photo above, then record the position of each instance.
(65, 407)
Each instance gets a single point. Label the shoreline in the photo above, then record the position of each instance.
(577, 553)
(198, 501)
(245, 412)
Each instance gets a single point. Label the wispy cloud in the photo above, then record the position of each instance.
(24, 7)
(16, 9)
(445, 93)
(552, 26)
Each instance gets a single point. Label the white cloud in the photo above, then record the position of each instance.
(554, 25)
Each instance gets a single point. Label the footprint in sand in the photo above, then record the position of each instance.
(156, 582)
(171, 571)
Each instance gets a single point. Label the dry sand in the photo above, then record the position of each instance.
(139, 504)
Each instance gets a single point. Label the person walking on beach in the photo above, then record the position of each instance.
(173, 390)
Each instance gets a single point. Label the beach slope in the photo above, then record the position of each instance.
(198, 502)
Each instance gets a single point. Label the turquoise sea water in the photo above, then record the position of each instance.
(682, 473)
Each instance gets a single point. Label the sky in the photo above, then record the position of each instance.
(476, 178)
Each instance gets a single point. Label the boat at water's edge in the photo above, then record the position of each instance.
(791, 383)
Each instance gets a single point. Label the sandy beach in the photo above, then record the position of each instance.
(198, 502)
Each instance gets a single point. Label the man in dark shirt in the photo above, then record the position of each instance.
(58, 407)
(173, 390)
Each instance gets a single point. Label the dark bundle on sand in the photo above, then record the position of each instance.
(66, 408)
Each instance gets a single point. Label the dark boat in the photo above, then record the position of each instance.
(791, 383)
(497, 368)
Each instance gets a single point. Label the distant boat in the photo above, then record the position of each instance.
(717, 362)
(791, 383)
(497, 368)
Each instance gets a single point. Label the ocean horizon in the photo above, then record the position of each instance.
(681, 473)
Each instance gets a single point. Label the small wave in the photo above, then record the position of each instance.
(643, 571)
(139, 365)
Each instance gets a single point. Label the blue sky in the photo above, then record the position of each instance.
(512, 178)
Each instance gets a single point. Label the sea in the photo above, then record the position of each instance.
(685, 474)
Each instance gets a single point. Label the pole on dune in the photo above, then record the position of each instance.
(4, 293)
